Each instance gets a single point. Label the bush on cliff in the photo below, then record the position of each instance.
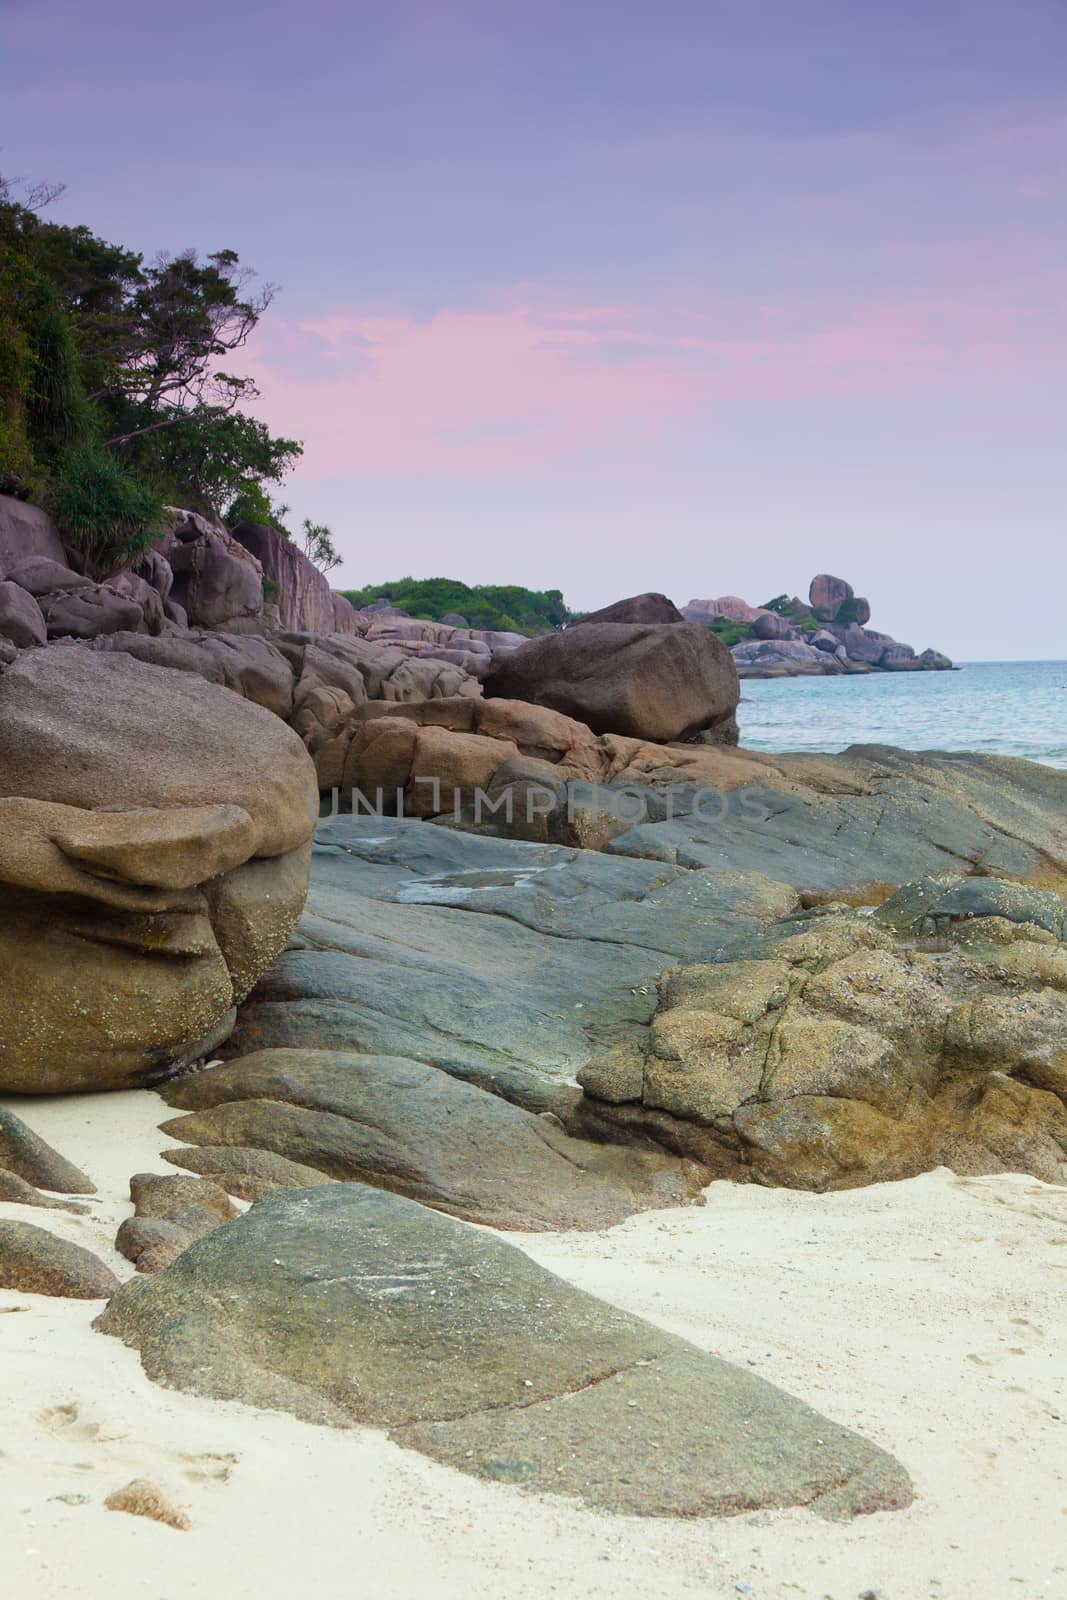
(105, 513)
(801, 616)
(729, 632)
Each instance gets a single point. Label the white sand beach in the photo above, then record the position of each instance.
(929, 1315)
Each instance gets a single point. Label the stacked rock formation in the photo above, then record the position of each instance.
(826, 634)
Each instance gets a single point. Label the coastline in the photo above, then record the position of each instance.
(926, 1314)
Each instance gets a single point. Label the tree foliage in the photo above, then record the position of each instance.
(115, 385)
(508, 607)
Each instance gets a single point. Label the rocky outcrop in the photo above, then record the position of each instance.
(154, 836)
(646, 681)
(789, 638)
(217, 582)
(305, 601)
(470, 1353)
(837, 1053)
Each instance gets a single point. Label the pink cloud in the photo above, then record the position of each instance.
(508, 389)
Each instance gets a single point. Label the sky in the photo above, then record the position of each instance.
(701, 296)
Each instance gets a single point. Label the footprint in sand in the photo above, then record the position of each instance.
(207, 1468)
(68, 1423)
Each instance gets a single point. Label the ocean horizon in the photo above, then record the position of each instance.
(1008, 708)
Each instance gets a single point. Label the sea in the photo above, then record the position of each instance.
(1009, 708)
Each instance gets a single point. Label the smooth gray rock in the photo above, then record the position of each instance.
(345, 1305)
(417, 1131)
(499, 961)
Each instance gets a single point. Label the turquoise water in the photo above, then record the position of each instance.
(1012, 708)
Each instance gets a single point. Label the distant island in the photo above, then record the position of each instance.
(829, 634)
(784, 638)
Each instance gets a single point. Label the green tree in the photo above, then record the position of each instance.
(102, 355)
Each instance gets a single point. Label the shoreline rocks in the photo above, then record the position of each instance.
(828, 634)
(345, 1305)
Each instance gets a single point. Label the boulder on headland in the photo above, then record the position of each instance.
(730, 606)
(829, 597)
(647, 681)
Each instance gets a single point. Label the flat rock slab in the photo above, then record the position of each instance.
(417, 1131)
(347, 1305)
(874, 817)
(33, 1261)
(503, 962)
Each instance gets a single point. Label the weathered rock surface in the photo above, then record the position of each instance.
(646, 681)
(153, 849)
(832, 1055)
(495, 961)
(33, 1261)
(169, 1214)
(26, 1154)
(470, 1353)
(26, 532)
(305, 600)
(21, 619)
(217, 582)
(16, 1191)
(244, 1172)
(863, 822)
(415, 1130)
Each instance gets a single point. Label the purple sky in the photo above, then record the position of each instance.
(697, 295)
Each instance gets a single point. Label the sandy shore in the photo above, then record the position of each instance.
(930, 1315)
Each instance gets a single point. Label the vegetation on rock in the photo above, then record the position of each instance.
(801, 616)
(507, 607)
(113, 395)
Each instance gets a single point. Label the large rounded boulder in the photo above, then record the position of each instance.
(650, 607)
(656, 681)
(154, 848)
